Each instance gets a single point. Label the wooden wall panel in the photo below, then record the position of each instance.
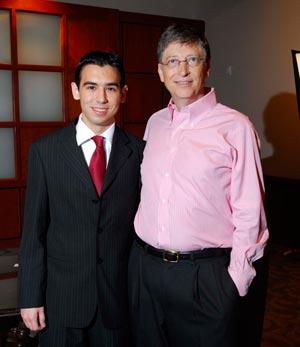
(9, 214)
(136, 129)
(97, 31)
(139, 47)
(144, 97)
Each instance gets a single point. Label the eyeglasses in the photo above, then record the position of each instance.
(192, 61)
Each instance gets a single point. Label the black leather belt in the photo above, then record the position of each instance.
(175, 257)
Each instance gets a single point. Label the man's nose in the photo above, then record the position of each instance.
(101, 96)
(183, 68)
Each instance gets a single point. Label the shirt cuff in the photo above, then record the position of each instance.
(242, 280)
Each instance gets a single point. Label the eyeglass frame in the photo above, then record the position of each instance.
(187, 60)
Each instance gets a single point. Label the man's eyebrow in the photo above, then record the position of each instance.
(108, 84)
(89, 83)
(172, 55)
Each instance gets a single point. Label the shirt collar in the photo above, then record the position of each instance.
(84, 133)
(198, 108)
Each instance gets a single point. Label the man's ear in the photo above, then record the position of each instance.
(207, 72)
(124, 93)
(75, 91)
(160, 73)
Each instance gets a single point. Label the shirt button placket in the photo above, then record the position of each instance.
(165, 190)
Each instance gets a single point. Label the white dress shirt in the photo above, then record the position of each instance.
(84, 139)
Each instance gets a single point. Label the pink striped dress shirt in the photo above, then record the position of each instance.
(203, 184)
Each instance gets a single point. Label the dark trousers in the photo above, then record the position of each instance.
(252, 308)
(94, 335)
(189, 303)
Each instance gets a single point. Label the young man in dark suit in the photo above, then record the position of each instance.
(82, 194)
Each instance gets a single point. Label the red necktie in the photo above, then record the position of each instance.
(98, 163)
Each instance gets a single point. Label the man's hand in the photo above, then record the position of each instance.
(34, 318)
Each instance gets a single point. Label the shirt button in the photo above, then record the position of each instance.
(163, 228)
(167, 174)
(164, 201)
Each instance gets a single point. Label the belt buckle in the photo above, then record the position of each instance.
(165, 253)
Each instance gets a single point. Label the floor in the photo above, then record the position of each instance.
(282, 316)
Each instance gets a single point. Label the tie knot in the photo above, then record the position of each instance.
(98, 140)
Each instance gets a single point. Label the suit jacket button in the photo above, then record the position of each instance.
(99, 260)
(100, 230)
(95, 201)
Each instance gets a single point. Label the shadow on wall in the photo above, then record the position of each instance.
(282, 130)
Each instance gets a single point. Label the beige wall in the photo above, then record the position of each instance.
(252, 39)
(255, 39)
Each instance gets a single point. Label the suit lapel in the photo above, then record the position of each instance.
(119, 154)
(73, 156)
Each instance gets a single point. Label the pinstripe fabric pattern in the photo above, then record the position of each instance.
(75, 245)
(95, 335)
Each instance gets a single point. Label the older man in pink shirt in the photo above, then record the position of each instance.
(201, 222)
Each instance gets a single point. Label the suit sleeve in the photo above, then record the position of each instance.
(32, 258)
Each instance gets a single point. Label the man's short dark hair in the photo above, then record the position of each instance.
(184, 34)
(100, 58)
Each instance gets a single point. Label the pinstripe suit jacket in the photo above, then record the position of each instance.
(75, 245)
